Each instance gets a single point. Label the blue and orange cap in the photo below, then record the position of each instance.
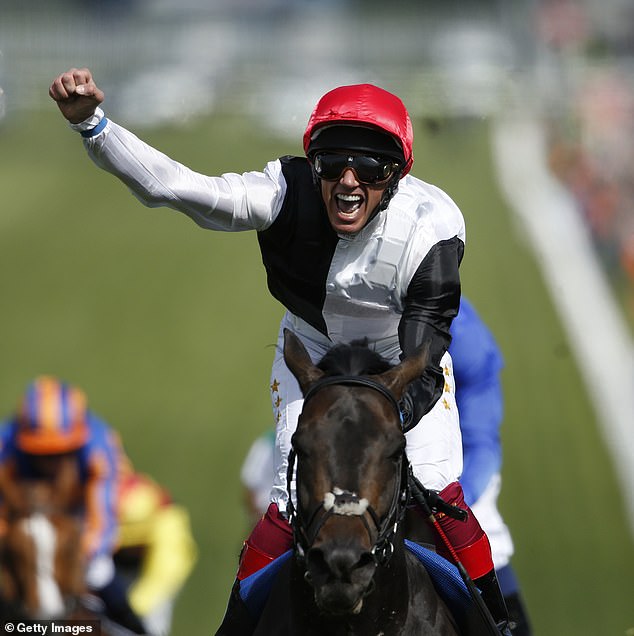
(52, 419)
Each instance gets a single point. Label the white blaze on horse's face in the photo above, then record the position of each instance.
(349, 505)
(43, 535)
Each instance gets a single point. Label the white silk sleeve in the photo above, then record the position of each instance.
(230, 202)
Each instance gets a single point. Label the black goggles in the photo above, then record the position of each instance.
(369, 169)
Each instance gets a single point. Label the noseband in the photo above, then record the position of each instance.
(345, 502)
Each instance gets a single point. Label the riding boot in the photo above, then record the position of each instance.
(493, 599)
(470, 545)
(518, 615)
(271, 537)
(466, 538)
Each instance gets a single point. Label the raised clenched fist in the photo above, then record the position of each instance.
(76, 94)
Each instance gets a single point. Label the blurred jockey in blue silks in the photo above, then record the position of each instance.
(477, 363)
(53, 432)
(477, 366)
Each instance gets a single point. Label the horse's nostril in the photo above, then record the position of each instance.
(316, 560)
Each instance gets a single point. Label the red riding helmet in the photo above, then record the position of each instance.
(52, 418)
(363, 105)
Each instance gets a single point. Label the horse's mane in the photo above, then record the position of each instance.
(355, 358)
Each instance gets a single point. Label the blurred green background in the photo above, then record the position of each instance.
(170, 331)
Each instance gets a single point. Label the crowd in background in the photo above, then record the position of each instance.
(590, 127)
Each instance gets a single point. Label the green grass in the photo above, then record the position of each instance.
(170, 330)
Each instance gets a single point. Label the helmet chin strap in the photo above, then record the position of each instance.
(388, 194)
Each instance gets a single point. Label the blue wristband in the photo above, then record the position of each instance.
(93, 132)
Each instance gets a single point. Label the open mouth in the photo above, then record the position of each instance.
(348, 204)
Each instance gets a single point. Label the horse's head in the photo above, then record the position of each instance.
(42, 563)
(349, 448)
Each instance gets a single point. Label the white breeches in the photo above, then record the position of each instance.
(486, 511)
(434, 446)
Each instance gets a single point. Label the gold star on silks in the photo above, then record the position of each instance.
(446, 370)
(278, 401)
(275, 386)
(277, 417)
(447, 388)
(446, 404)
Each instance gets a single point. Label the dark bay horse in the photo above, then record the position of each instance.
(351, 574)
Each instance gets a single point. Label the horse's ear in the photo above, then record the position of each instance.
(299, 362)
(412, 367)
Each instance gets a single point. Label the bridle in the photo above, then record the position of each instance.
(305, 531)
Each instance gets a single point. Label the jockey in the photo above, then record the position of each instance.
(477, 365)
(156, 551)
(477, 362)
(52, 432)
(353, 246)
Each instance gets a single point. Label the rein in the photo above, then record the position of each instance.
(305, 533)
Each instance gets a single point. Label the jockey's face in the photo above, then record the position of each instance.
(350, 202)
(49, 466)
